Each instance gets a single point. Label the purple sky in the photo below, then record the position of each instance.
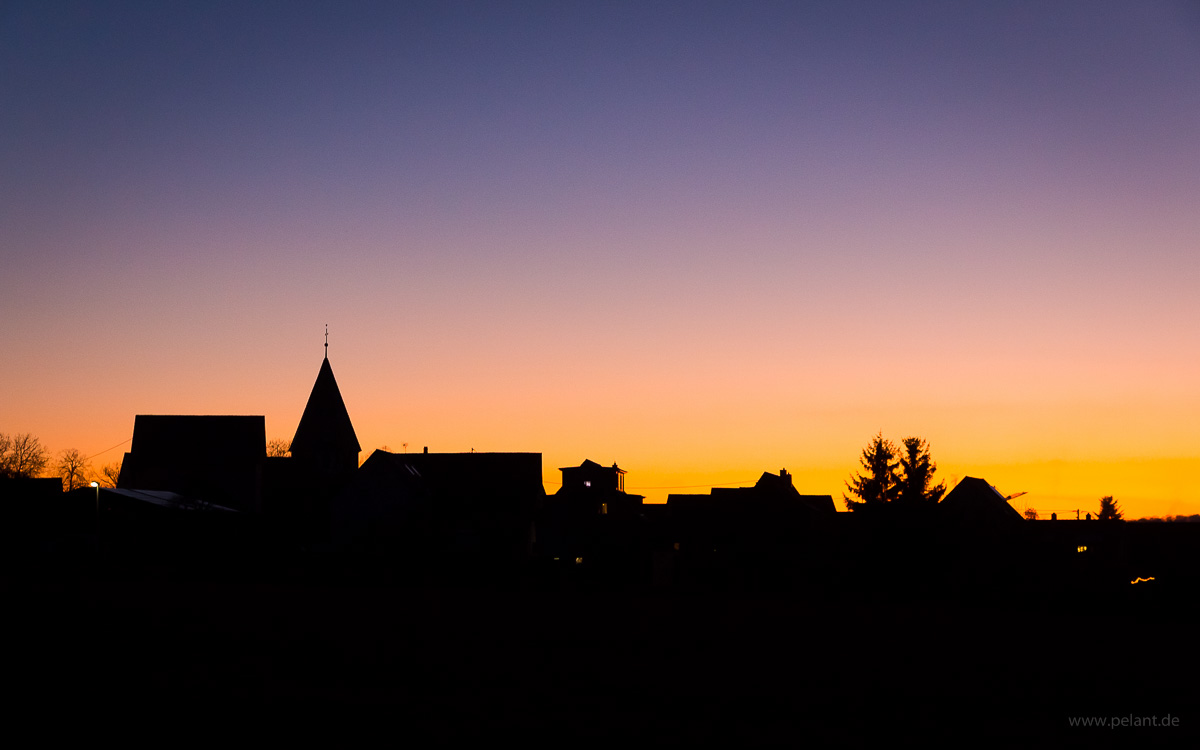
(719, 221)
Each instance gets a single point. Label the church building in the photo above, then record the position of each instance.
(221, 460)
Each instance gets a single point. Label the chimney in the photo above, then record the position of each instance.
(783, 474)
(427, 449)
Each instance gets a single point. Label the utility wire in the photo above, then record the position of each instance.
(692, 486)
(677, 486)
(106, 450)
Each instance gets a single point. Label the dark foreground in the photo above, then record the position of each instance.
(551, 667)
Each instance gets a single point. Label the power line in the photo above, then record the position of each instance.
(692, 486)
(677, 486)
(106, 450)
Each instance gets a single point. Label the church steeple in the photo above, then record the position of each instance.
(325, 436)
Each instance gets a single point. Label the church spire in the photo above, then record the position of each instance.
(326, 341)
(325, 433)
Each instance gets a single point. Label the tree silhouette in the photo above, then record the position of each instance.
(278, 447)
(915, 484)
(110, 474)
(73, 468)
(876, 485)
(22, 456)
(1109, 510)
(1031, 514)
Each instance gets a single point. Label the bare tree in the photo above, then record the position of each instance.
(110, 474)
(1031, 514)
(73, 468)
(22, 456)
(278, 447)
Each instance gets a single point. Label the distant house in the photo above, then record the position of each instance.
(974, 502)
(592, 489)
(14, 492)
(592, 526)
(773, 498)
(760, 533)
(27, 507)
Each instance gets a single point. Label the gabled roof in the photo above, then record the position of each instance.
(325, 425)
(454, 481)
(771, 494)
(489, 474)
(168, 437)
(592, 466)
(976, 500)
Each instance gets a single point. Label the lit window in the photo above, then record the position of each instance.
(676, 546)
(579, 561)
(604, 509)
(1081, 548)
(587, 483)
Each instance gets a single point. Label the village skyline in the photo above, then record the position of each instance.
(702, 240)
(103, 468)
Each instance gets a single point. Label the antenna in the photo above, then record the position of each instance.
(326, 341)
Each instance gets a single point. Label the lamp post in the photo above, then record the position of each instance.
(96, 485)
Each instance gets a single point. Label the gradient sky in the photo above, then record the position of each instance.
(702, 240)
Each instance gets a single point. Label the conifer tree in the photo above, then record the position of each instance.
(876, 484)
(1109, 510)
(915, 485)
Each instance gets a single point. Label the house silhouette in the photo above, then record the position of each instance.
(206, 459)
(974, 502)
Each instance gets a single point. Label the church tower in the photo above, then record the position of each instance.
(325, 443)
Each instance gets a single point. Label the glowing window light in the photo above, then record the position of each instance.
(604, 509)
(587, 483)
(1081, 548)
(579, 561)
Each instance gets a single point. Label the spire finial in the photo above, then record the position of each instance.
(326, 341)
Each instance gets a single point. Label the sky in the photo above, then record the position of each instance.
(702, 240)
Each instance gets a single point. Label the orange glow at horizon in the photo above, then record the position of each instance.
(667, 449)
(918, 222)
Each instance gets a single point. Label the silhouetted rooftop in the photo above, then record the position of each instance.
(772, 492)
(325, 425)
(161, 498)
(976, 500)
(168, 436)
